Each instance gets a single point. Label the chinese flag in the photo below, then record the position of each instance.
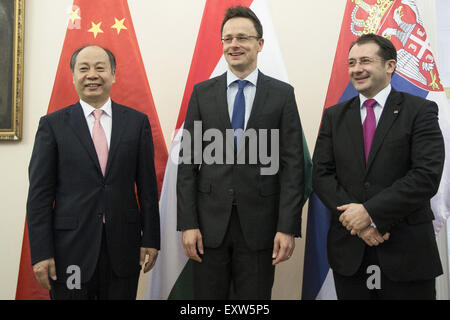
(106, 23)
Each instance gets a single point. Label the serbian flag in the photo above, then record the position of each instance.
(171, 278)
(106, 23)
(416, 73)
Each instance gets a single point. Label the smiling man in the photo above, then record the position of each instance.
(377, 163)
(237, 223)
(88, 234)
(93, 70)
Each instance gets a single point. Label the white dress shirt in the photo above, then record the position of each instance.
(249, 93)
(380, 98)
(105, 119)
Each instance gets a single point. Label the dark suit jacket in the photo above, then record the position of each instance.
(266, 204)
(402, 175)
(68, 194)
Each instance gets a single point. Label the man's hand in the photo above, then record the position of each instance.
(354, 217)
(152, 255)
(43, 270)
(192, 240)
(283, 246)
(372, 236)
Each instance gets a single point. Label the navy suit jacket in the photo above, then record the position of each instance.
(395, 186)
(266, 204)
(68, 194)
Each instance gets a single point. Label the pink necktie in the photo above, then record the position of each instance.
(369, 126)
(99, 138)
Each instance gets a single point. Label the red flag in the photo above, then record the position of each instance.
(106, 23)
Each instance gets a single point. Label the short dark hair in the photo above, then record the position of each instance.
(243, 12)
(112, 58)
(386, 49)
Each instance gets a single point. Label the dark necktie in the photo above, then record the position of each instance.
(238, 118)
(369, 126)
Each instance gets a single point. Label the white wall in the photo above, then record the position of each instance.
(167, 30)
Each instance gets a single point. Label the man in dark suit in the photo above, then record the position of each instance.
(377, 163)
(87, 231)
(238, 220)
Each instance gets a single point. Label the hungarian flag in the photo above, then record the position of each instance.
(171, 277)
(416, 73)
(106, 23)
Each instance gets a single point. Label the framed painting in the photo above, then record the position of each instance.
(11, 68)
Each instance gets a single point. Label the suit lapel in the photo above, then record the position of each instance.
(354, 126)
(119, 123)
(260, 97)
(258, 103)
(77, 121)
(388, 116)
(222, 108)
(221, 100)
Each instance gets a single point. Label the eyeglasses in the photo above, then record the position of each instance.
(240, 39)
(364, 61)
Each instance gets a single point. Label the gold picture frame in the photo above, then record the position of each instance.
(11, 68)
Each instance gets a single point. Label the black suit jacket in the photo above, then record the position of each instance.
(68, 194)
(402, 175)
(266, 204)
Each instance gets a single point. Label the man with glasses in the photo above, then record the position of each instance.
(237, 222)
(377, 163)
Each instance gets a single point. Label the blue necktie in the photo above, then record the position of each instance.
(238, 118)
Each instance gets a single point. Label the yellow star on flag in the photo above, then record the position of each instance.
(119, 25)
(74, 16)
(95, 29)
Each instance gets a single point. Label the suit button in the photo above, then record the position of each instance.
(366, 185)
(230, 192)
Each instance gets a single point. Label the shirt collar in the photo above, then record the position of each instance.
(88, 109)
(252, 77)
(381, 97)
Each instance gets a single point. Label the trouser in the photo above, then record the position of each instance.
(104, 284)
(233, 270)
(365, 286)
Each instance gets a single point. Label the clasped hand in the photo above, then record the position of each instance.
(356, 219)
(372, 237)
